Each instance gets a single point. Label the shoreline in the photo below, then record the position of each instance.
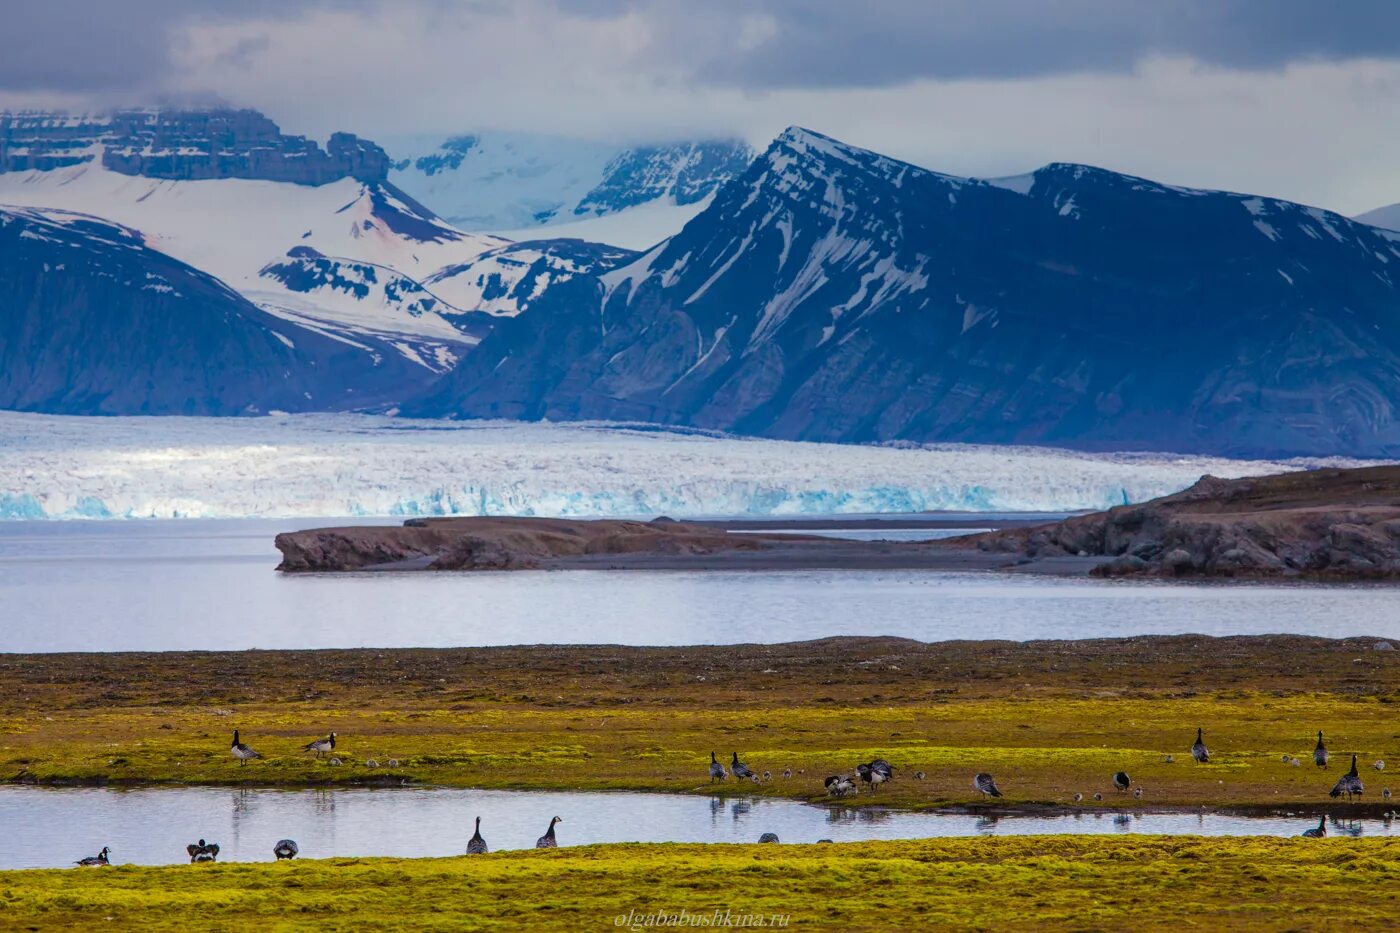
(494, 543)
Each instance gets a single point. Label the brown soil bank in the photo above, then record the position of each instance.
(609, 544)
(1338, 524)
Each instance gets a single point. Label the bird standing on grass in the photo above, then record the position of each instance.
(1318, 831)
(1121, 782)
(547, 841)
(285, 849)
(320, 746)
(95, 861)
(1199, 750)
(985, 785)
(1320, 752)
(875, 773)
(739, 769)
(839, 785)
(476, 845)
(717, 772)
(1349, 783)
(240, 751)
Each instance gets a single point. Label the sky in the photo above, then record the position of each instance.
(1288, 98)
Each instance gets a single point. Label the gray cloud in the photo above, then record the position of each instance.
(878, 42)
(1291, 98)
(78, 45)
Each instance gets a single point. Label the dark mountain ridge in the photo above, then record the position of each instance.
(833, 294)
(94, 322)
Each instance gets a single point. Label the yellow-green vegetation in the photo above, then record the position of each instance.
(1049, 719)
(996, 883)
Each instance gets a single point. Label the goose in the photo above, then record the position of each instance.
(872, 775)
(717, 772)
(94, 861)
(1078, 798)
(285, 848)
(1199, 750)
(919, 775)
(371, 763)
(1295, 762)
(202, 851)
(334, 762)
(1098, 796)
(839, 785)
(1320, 753)
(985, 784)
(1349, 783)
(320, 746)
(1169, 759)
(1121, 782)
(1137, 793)
(393, 762)
(753, 778)
(884, 767)
(768, 837)
(1318, 831)
(1379, 765)
(1385, 793)
(787, 773)
(739, 769)
(240, 751)
(476, 845)
(547, 841)
(767, 775)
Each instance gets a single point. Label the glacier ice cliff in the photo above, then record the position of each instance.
(56, 467)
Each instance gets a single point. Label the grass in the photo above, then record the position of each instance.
(1049, 719)
(995, 883)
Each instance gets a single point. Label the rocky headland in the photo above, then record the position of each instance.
(1330, 523)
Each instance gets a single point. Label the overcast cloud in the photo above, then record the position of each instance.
(1291, 98)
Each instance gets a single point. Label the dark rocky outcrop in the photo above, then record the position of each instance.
(1329, 523)
(494, 543)
(185, 145)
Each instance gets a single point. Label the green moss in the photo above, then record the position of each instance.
(1056, 882)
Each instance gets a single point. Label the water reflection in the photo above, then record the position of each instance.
(52, 827)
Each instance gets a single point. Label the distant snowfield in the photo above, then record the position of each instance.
(639, 228)
(351, 465)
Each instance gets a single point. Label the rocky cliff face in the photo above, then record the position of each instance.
(1323, 523)
(185, 145)
(833, 294)
(92, 321)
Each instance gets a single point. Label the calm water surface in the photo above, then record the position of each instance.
(152, 826)
(109, 586)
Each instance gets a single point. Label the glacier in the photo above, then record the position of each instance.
(288, 466)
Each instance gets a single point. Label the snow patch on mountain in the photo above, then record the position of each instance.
(296, 465)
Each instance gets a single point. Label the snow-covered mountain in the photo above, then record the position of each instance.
(1387, 217)
(316, 236)
(830, 293)
(300, 465)
(94, 321)
(516, 184)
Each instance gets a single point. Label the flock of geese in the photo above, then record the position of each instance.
(872, 774)
(877, 772)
